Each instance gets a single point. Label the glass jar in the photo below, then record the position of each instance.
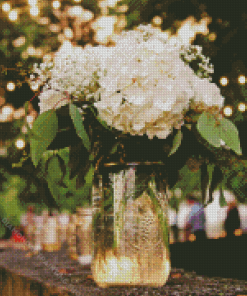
(71, 237)
(63, 220)
(50, 239)
(84, 236)
(39, 220)
(131, 232)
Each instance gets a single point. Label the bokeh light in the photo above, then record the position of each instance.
(212, 37)
(10, 86)
(19, 113)
(6, 114)
(6, 7)
(34, 11)
(157, 20)
(7, 110)
(75, 11)
(241, 107)
(192, 237)
(123, 8)
(39, 52)
(56, 4)
(227, 111)
(68, 33)
(20, 41)
(20, 144)
(13, 15)
(43, 20)
(3, 151)
(32, 2)
(104, 28)
(31, 51)
(87, 15)
(34, 86)
(224, 81)
(55, 28)
(241, 79)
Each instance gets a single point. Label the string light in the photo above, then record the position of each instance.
(212, 36)
(104, 27)
(10, 86)
(227, 111)
(241, 79)
(24, 129)
(56, 4)
(123, 8)
(68, 33)
(32, 2)
(241, 107)
(43, 20)
(13, 15)
(6, 115)
(112, 3)
(192, 237)
(157, 20)
(6, 7)
(24, 54)
(7, 110)
(31, 51)
(224, 81)
(34, 87)
(87, 15)
(61, 38)
(39, 52)
(34, 11)
(3, 151)
(20, 144)
(55, 28)
(19, 113)
(19, 41)
(30, 120)
(77, 1)
(75, 11)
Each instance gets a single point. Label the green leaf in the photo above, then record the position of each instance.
(88, 183)
(44, 131)
(223, 202)
(114, 149)
(188, 125)
(206, 126)
(54, 189)
(176, 142)
(26, 107)
(54, 170)
(90, 176)
(79, 127)
(210, 169)
(229, 134)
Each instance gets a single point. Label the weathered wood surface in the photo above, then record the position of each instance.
(45, 275)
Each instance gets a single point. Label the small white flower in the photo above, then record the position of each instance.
(52, 99)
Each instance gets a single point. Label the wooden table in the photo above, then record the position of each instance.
(53, 274)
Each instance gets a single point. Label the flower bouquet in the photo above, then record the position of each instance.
(136, 103)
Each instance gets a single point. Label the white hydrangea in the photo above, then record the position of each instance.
(52, 99)
(140, 86)
(146, 85)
